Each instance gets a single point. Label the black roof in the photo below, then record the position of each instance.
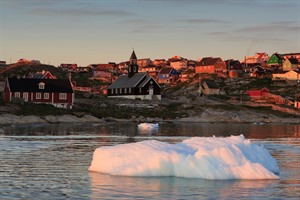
(124, 81)
(32, 85)
(137, 80)
(166, 70)
(293, 60)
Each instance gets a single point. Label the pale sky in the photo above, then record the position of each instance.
(101, 31)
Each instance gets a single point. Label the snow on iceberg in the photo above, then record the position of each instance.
(199, 157)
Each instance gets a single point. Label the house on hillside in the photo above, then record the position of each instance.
(68, 67)
(291, 75)
(186, 75)
(144, 62)
(167, 75)
(257, 93)
(159, 62)
(292, 55)
(257, 71)
(258, 58)
(211, 66)
(134, 85)
(210, 87)
(57, 92)
(178, 63)
(102, 70)
(43, 75)
(152, 70)
(275, 60)
(290, 64)
(233, 65)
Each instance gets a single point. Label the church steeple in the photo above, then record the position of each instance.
(132, 67)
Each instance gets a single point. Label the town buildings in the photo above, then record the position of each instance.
(134, 85)
(57, 92)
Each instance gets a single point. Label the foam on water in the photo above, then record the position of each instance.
(199, 157)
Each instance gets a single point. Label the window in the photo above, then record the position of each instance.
(62, 96)
(112, 91)
(17, 94)
(129, 90)
(38, 95)
(25, 96)
(120, 89)
(125, 90)
(46, 95)
(140, 90)
(41, 85)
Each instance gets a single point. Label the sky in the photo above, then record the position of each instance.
(100, 31)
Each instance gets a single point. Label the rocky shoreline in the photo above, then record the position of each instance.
(208, 116)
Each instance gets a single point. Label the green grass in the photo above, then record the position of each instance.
(41, 110)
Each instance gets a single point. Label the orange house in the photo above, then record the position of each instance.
(211, 66)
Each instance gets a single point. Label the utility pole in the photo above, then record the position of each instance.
(241, 97)
(296, 91)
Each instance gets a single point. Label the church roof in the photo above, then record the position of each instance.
(124, 81)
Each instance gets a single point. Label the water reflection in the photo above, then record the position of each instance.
(51, 162)
(165, 129)
(119, 187)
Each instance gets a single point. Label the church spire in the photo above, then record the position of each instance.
(133, 58)
(132, 67)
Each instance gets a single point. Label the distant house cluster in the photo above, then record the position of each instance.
(143, 78)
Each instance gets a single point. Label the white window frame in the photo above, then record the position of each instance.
(46, 96)
(38, 95)
(25, 96)
(129, 90)
(112, 91)
(120, 89)
(62, 96)
(41, 85)
(140, 90)
(17, 94)
(125, 90)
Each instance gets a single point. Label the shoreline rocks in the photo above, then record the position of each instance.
(7, 119)
(208, 116)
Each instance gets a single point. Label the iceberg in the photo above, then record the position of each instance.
(213, 158)
(144, 128)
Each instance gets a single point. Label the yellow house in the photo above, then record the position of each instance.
(291, 75)
(290, 64)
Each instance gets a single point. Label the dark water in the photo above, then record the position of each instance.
(51, 162)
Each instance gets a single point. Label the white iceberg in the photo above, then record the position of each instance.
(199, 157)
(148, 126)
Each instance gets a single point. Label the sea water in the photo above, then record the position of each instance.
(51, 162)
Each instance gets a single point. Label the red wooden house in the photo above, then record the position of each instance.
(57, 92)
(103, 70)
(257, 93)
(211, 65)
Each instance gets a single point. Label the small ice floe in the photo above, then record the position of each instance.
(147, 126)
(213, 158)
(144, 128)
